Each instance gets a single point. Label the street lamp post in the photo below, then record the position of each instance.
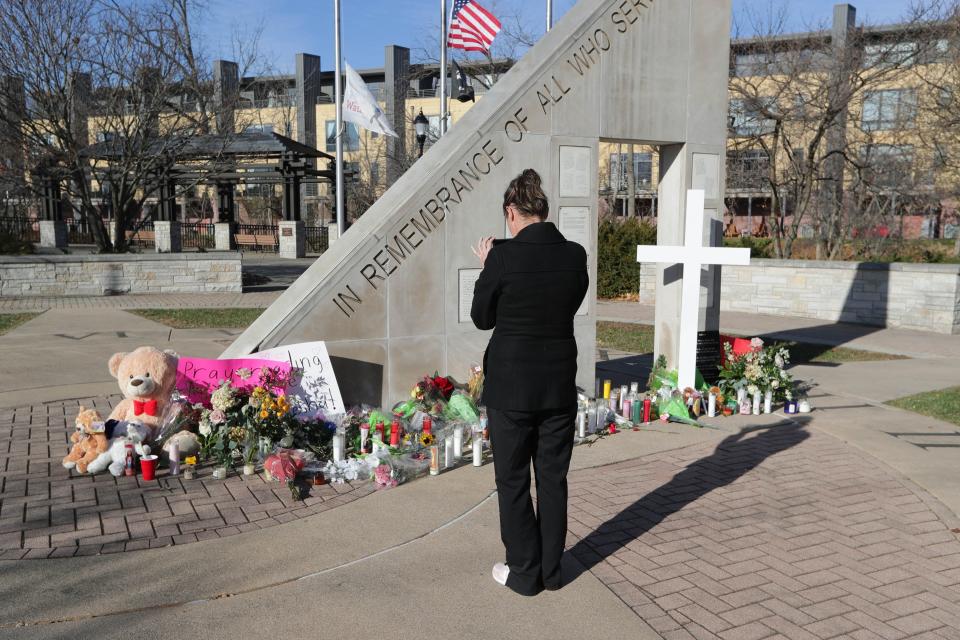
(422, 125)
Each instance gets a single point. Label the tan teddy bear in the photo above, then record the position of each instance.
(89, 440)
(146, 377)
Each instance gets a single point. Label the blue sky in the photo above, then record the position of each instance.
(289, 26)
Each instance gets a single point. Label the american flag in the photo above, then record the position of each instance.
(472, 28)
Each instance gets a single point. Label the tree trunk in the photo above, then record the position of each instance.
(631, 184)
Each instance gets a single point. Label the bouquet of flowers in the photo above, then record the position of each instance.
(761, 369)
(429, 396)
(284, 465)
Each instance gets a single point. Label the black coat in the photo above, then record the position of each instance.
(528, 293)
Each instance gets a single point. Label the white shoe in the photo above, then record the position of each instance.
(500, 573)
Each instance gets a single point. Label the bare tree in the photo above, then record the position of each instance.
(123, 73)
(793, 98)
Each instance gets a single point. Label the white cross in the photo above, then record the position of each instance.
(691, 256)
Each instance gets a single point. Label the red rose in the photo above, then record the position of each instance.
(444, 385)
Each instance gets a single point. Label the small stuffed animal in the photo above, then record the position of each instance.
(115, 456)
(89, 440)
(146, 377)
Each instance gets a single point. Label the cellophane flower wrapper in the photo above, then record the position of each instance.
(412, 464)
(348, 470)
(676, 408)
(461, 408)
(179, 415)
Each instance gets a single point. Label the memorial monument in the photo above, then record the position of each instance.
(391, 298)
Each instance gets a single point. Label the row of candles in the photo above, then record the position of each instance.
(452, 447)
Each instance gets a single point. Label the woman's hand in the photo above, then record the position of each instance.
(483, 248)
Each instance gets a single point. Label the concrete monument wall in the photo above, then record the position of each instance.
(391, 298)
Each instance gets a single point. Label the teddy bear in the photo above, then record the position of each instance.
(115, 457)
(89, 440)
(146, 377)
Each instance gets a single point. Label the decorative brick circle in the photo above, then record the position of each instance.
(781, 532)
(47, 511)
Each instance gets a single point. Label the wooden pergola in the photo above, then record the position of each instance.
(226, 161)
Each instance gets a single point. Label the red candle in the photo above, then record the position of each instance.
(380, 429)
(395, 433)
(427, 425)
(646, 409)
(613, 427)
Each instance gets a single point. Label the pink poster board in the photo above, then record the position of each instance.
(198, 377)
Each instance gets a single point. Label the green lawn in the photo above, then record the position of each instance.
(10, 321)
(638, 338)
(942, 405)
(226, 318)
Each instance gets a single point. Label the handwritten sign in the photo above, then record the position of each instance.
(317, 389)
(198, 377)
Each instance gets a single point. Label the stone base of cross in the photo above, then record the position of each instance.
(692, 256)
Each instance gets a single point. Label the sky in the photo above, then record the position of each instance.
(290, 26)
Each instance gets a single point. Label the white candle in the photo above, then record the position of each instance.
(768, 402)
(363, 437)
(174, 455)
(457, 442)
(712, 406)
(581, 424)
(448, 451)
(338, 447)
(741, 395)
(756, 403)
(477, 450)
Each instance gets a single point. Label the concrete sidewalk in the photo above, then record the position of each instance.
(916, 344)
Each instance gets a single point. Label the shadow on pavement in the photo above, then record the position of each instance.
(733, 458)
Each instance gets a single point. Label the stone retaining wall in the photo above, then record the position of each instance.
(905, 295)
(102, 275)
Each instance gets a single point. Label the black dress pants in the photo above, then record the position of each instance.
(534, 541)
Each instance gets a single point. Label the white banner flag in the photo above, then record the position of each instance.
(360, 107)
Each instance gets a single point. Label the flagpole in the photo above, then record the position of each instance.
(549, 14)
(341, 217)
(443, 66)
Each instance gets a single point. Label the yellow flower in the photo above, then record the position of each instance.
(190, 460)
(427, 439)
(264, 414)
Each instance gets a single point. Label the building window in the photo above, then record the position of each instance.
(889, 109)
(351, 171)
(642, 170)
(891, 54)
(375, 174)
(889, 165)
(351, 136)
(747, 169)
(747, 116)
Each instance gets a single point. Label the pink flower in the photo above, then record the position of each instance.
(756, 343)
(218, 417)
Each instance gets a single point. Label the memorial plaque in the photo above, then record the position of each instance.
(468, 278)
(575, 225)
(708, 355)
(575, 172)
(706, 175)
(286, 232)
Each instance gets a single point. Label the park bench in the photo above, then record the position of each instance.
(255, 241)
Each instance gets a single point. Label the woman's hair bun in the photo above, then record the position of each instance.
(526, 193)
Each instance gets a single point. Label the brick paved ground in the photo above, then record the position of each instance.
(47, 511)
(782, 533)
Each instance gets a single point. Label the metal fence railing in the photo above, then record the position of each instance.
(79, 232)
(23, 228)
(197, 235)
(141, 234)
(318, 239)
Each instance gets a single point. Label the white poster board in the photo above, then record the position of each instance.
(468, 279)
(575, 172)
(318, 389)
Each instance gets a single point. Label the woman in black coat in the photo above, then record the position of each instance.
(528, 293)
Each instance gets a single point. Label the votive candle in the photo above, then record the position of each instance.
(606, 389)
(768, 402)
(395, 433)
(635, 411)
(581, 424)
(756, 403)
(174, 456)
(457, 442)
(712, 405)
(338, 447)
(434, 459)
(427, 424)
(477, 449)
(448, 451)
(646, 410)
